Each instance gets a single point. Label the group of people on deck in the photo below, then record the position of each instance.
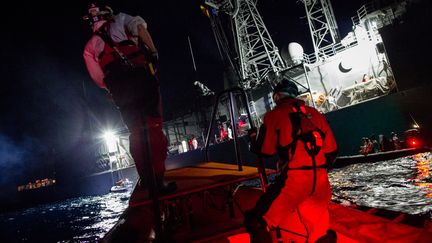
(122, 59)
(186, 145)
(225, 131)
(370, 145)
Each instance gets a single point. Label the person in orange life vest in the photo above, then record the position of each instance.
(305, 144)
(120, 58)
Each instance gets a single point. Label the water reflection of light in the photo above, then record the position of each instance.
(111, 208)
(403, 184)
(422, 178)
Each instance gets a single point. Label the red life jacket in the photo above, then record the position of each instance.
(124, 54)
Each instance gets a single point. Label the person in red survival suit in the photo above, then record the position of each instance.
(305, 144)
(120, 57)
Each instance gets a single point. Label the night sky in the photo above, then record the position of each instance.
(47, 99)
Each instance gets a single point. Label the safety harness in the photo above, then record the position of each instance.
(125, 55)
(312, 137)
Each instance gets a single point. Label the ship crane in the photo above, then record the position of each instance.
(254, 55)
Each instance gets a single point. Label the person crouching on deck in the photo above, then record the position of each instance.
(305, 144)
(120, 57)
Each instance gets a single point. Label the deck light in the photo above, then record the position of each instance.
(111, 141)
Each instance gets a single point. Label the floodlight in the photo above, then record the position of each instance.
(111, 141)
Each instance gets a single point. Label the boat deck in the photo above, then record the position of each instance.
(209, 204)
(198, 178)
(204, 205)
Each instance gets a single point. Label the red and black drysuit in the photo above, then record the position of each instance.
(116, 63)
(302, 184)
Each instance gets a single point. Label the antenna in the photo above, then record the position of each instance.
(205, 91)
(192, 54)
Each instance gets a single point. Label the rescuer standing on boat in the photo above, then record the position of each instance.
(121, 58)
(302, 138)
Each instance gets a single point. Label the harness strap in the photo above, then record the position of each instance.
(308, 167)
(310, 140)
(314, 175)
(122, 43)
(103, 33)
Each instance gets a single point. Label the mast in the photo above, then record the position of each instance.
(256, 52)
(322, 25)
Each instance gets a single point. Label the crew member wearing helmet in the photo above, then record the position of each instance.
(304, 143)
(120, 57)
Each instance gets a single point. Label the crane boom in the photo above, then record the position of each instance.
(256, 53)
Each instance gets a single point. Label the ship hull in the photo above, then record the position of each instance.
(392, 113)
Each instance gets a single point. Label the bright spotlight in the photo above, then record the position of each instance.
(108, 136)
(111, 141)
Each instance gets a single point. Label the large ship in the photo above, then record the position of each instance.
(365, 83)
(360, 82)
(372, 82)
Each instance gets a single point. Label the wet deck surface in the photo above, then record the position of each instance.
(203, 206)
(208, 207)
(194, 179)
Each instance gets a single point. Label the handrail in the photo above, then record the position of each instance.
(327, 51)
(230, 93)
(362, 12)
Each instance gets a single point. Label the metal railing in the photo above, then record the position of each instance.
(362, 12)
(358, 19)
(388, 14)
(230, 93)
(327, 52)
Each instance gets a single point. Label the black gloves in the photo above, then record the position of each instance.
(153, 62)
(154, 58)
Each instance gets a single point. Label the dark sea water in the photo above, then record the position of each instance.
(403, 184)
(83, 219)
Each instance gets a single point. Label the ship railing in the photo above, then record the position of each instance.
(230, 94)
(386, 17)
(362, 12)
(327, 52)
(232, 104)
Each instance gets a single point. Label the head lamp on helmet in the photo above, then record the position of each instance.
(96, 13)
(285, 88)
